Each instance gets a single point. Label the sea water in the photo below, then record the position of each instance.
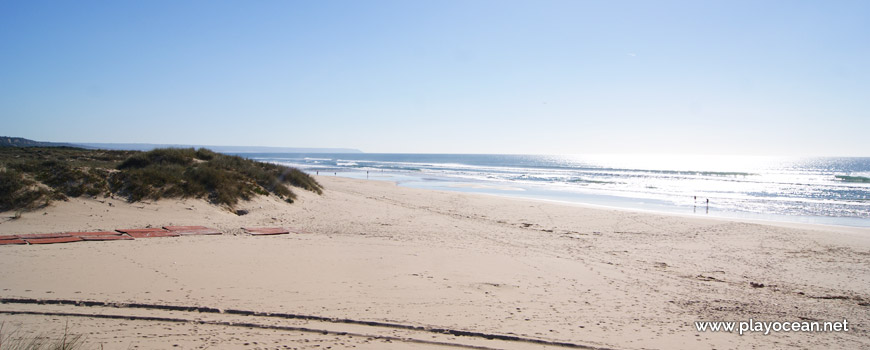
(810, 190)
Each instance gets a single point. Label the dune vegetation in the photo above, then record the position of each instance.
(19, 340)
(34, 177)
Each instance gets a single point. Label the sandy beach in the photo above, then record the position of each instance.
(383, 266)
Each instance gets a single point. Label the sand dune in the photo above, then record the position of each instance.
(384, 266)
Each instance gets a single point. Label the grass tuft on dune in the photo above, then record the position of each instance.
(17, 340)
(33, 177)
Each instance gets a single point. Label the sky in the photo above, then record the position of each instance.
(427, 76)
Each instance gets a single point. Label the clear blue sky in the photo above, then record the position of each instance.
(734, 77)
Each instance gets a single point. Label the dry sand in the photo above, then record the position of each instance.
(383, 265)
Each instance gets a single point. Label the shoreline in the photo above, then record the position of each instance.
(858, 230)
(378, 252)
(655, 206)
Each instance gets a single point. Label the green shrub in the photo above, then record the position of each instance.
(161, 156)
(136, 176)
(16, 192)
(69, 181)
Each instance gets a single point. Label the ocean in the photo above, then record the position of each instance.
(830, 190)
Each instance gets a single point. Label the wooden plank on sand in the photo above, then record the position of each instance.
(12, 241)
(94, 233)
(106, 238)
(44, 235)
(52, 240)
(193, 230)
(147, 232)
(266, 231)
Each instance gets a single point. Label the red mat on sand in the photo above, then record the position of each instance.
(44, 235)
(193, 230)
(52, 240)
(265, 231)
(95, 233)
(147, 232)
(105, 238)
(12, 241)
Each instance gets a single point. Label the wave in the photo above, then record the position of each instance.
(683, 172)
(401, 168)
(586, 181)
(858, 179)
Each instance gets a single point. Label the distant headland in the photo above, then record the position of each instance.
(6, 141)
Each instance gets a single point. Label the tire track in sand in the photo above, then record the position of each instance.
(413, 334)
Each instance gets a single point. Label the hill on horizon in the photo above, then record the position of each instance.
(222, 149)
(7, 141)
